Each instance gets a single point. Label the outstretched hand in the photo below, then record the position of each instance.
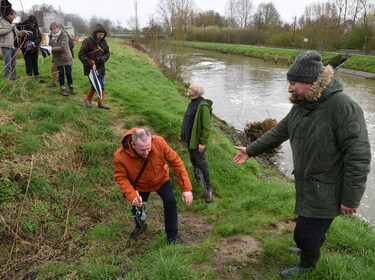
(187, 197)
(347, 210)
(242, 156)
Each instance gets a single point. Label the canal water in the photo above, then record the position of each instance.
(247, 89)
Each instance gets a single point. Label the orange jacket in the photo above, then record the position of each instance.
(127, 164)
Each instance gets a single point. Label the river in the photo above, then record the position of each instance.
(247, 89)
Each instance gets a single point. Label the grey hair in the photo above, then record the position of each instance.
(55, 25)
(140, 134)
(197, 88)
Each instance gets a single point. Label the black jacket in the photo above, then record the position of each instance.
(95, 52)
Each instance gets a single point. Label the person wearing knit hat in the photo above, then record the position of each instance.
(331, 154)
(30, 45)
(94, 53)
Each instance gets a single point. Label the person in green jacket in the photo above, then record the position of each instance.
(331, 153)
(195, 132)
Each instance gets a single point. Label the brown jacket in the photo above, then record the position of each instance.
(60, 50)
(127, 164)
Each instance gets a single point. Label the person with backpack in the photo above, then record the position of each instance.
(30, 45)
(94, 53)
(62, 57)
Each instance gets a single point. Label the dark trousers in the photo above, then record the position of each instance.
(170, 208)
(309, 235)
(199, 162)
(31, 63)
(65, 70)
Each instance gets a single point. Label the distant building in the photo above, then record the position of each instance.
(48, 18)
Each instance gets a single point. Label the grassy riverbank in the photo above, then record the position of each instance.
(360, 63)
(273, 54)
(355, 62)
(63, 217)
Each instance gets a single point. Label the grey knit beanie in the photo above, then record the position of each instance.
(306, 68)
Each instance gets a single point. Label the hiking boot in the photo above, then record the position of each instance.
(136, 232)
(72, 89)
(294, 250)
(175, 240)
(88, 104)
(294, 270)
(208, 196)
(63, 91)
(103, 106)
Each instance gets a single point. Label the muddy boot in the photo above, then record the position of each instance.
(208, 195)
(72, 89)
(175, 240)
(307, 262)
(88, 104)
(136, 232)
(103, 106)
(63, 91)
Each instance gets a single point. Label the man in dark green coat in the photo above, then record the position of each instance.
(195, 131)
(331, 153)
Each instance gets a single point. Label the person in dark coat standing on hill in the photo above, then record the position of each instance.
(30, 45)
(195, 132)
(331, 153)
(93, 54)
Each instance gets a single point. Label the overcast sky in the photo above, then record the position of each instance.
(123, 10)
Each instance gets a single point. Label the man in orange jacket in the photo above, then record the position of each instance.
(140, 150)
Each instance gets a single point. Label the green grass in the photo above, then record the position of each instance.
(75, 222)
(273, 54)
(361, 63)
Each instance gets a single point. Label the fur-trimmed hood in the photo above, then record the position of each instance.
(314, 93)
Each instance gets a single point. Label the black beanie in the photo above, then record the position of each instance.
(306, 68)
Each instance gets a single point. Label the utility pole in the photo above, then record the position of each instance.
(136, 16)
(294, 30)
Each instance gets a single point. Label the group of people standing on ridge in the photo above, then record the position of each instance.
(326, 130)
(331, 156)
(28, 37)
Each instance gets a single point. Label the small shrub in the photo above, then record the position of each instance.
(20, 117)
(42, 111)
(29, 144)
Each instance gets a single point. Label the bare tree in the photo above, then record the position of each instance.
(240, 11)
(176, 15)
(266, 17)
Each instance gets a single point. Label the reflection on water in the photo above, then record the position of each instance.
(247, 89)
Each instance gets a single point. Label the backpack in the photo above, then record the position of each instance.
(71, 42)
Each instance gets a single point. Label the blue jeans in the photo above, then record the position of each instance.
(68, 71)
(10, 59)
(170, 208)
(101, 81)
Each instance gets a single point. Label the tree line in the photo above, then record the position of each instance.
(327, 25)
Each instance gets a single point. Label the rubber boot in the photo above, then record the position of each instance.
(101, 102)
(89, 97)
(307, 262)
(208, 195)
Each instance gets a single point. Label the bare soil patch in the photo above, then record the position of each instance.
(233, 254)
